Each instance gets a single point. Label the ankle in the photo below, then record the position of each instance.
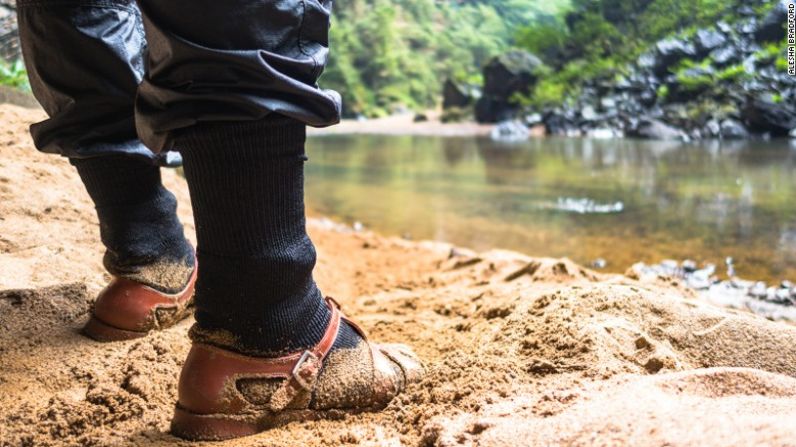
(273, 330)
(166, 274)
(272, 339)
(139, 227)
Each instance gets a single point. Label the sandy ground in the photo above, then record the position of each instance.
(520, 351)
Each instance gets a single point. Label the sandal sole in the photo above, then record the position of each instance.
(98, 330)
(220, 427)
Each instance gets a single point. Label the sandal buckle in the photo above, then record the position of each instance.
(297, 370)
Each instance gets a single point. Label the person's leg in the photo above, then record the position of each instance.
(233, 85)
(85, 61)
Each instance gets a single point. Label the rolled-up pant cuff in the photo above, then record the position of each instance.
(207, 61)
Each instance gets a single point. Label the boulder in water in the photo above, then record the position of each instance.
(733, 130)
(513, 72)
(510, 130)
(459, 94)
(764, 114)
(712, 128)
(653, 129)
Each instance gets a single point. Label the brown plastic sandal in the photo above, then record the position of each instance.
(126, 309)
(211, 405)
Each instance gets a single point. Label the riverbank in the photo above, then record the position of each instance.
(405, 124)
(519, 350)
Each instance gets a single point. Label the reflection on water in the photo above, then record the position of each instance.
(549, 197)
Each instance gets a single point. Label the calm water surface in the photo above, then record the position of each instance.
(621, 200)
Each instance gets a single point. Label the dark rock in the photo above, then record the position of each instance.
(588, 113)
(648, 97)
(558, 122)
(725, 56)
(763, 114)
(772, 28)
(608, 103)
(653, 129)
(670, 51)
(513, 72)
(724, 27)
(712, 128)
(707, 40)
(733, 130)
(458, 94)
(420, 117)
(489, 110)
(746, 11)
(748, 26)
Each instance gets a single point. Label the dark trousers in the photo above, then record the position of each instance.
(116, 77)
(231, 84)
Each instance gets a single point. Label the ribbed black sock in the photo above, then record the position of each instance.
(255, 293)
(143, 237)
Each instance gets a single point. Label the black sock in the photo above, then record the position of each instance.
(143, 237)
(255, 289)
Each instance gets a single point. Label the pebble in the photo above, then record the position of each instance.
(783, 296)
(689, 266)
(758, 290)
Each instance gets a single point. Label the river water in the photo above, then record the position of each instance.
(622, 200)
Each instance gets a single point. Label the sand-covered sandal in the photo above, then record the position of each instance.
(223, 394)
(126, 309)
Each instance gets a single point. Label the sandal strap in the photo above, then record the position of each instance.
(212, 369)
(305, 370)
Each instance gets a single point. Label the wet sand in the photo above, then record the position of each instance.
(519, 350)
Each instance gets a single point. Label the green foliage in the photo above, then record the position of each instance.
(547, 37)
(733, 73)
(555, 86)
(776, 52)
(391, 53)
(706, 108)
(691, 76)
(663, 92)
(598, 37)
(549, 92)
(695, 83)
(14, 75)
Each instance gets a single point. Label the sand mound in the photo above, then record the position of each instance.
(710, 407)
(519, 350)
